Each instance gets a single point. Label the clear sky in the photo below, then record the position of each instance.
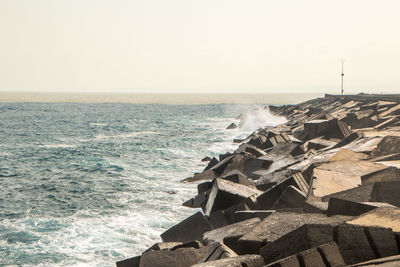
(202, 46)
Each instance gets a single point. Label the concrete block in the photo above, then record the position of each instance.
(131, 262)
(192, 228)
(279, 224)
(387, 217)
(225, 194)
(216, 251)
(303, 238)
(339, 206)
(182, 257)
(240, 261)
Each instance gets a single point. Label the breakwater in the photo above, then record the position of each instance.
(320, 190)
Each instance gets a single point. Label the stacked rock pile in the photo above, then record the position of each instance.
(322, 189)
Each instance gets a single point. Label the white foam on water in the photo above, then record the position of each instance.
(58, 146)
(122, 136)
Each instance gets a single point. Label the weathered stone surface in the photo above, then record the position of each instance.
(236, 229)
(225, 194)
(291, 197)
(387, 174)
(300, 239)
(163, 245)
(240, 261)
(387, 145)
(358, 244)
(393, 261)
(267, 199)
(232, 126)
(192, 244)
(131, 262)
(192, 228)
(348, 155)
(216, 251)
(315, 205)
(202, 187)
(238, 177)
(249, 214)
(278, 163)
(211, 164)
(326, 255)
(280, 223)
(255, 151)
(339, 206)
(337, 176)
(265, 182)
(360, 193)
(319, 143)
(182, 257)
(220, 166)
(386, 192)
(387, 217)
(224, 217)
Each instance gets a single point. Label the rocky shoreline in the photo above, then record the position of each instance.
(323, 189)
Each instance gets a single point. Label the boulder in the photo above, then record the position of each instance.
(339, 206)
(233, 230)
(243, 215)
(205, 159)
(267, 199)
(336, 176)
(220, 166)
(387, 217)
(131, 262)
(240, 261)
(231, 126)
(279, 224)
(192, 228)
(182, 257)
(393, 261)
(358, 244)
(387, 174)
(305, 237)
(386, 192)
(211, 164)
(387, 145)
(291, 197)
(238, 177)
(225, 194)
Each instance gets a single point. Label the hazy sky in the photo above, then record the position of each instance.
(185, 46)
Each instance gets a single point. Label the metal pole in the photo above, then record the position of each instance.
(342, 73)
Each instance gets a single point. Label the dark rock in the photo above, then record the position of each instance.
(211, 164)
(243, 215)
(291, 197)
(203, 187)
(192, 228)
(182, 257)
(267, 199)
(386, 217)
(358, 244)
(217, 251)
(339, 206)
(192, 244)
(231, 126)
(206, 159)
(326, 255)
(303, 238)
(163, 245)
(240, 261)
(131, 262)
(279, 224)
(220, 166)
(387, 174)
(393, 261)
(238, 177)
(386, 192)
(388, 145)
(225, 194)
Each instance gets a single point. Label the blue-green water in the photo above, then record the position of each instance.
(90, 184)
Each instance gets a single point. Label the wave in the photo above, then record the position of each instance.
(126, 135)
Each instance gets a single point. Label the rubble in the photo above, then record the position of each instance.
(320, 190)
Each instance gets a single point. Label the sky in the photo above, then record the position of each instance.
(203, 46)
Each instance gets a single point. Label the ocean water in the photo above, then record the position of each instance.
(91, 184)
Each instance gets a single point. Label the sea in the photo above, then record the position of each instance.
(89, 184)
